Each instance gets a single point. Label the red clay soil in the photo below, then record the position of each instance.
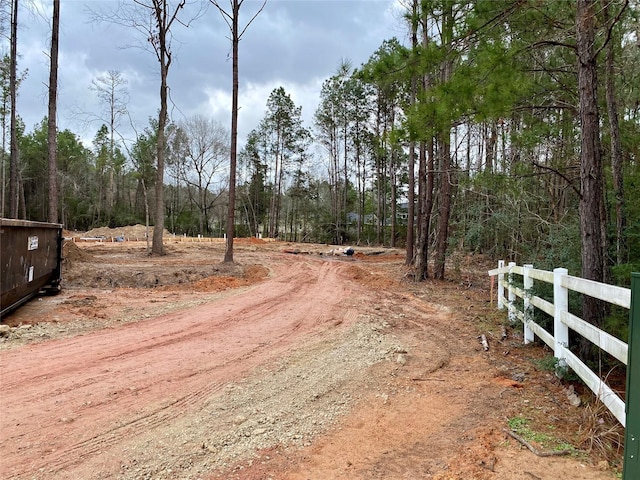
(282, 366)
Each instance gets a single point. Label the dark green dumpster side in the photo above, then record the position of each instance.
(30, 261)
(631, 469)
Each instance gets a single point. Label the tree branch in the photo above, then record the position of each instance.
(228, 17)
(553, 43)
(532, 449)
(252, 19)
(613, 24)
(560, 174)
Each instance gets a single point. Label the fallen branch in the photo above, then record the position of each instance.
(535, 477)
(485, 344)
(533, 449)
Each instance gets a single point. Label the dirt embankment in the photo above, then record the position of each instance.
(297, 365)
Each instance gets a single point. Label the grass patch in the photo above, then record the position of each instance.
(545, 441)
(548, 363)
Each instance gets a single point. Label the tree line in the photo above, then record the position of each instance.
(509, 128)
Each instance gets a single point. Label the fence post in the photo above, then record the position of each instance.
(631, 468)
(512, 296)
(561, 304)
(528, 308)
(500, 287)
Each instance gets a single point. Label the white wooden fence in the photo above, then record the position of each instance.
(563, 320)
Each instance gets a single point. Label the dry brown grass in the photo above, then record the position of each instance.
(600, 433)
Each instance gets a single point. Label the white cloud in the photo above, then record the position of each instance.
(218, 103)
(252, 100)
(293, 44)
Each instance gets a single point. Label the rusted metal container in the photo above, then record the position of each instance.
(31, 261)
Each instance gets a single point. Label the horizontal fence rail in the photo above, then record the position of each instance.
(563, 320)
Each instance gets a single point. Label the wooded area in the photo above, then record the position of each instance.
(509, 128)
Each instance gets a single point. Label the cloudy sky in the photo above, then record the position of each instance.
(296, 44)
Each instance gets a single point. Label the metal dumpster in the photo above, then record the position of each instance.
(30, 259)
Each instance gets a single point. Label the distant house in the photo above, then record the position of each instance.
(402, 216)
(402, 213)
(368, 219)
(352, 218)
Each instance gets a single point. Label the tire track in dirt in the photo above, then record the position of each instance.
(114, 436)
(77, 397)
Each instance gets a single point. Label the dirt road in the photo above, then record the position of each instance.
(327, 368)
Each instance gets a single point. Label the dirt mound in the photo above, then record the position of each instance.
(128, 232)
(71, 253)
(127, 265)
(249, 240)
(216, 283)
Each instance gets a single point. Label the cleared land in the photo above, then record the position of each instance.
(289, 364)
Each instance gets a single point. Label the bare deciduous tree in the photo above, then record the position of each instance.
(232, 19)
(51, 121)
(112, 93)
(154, 20)
(13, 166)
(207, 151)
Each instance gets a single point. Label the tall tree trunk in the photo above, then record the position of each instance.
(14, 162)
(5, 109)
(202, 207)
(231, 209)
(111, 181)
(52, 144)
(409, 257)
(393, 179)
(445, 205)
(394, 200)
(335, 174)
(616, 148)
(279, 192)
(591, 171)
(360, 182)
(272, 201)
(491, 139)
(343, 212)
(232, 19)
(379, 179)
(161, 42)
(411, 208)
(444, 152)
(425, 195)
(426, 173)
(157, 247)
(22, 201)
